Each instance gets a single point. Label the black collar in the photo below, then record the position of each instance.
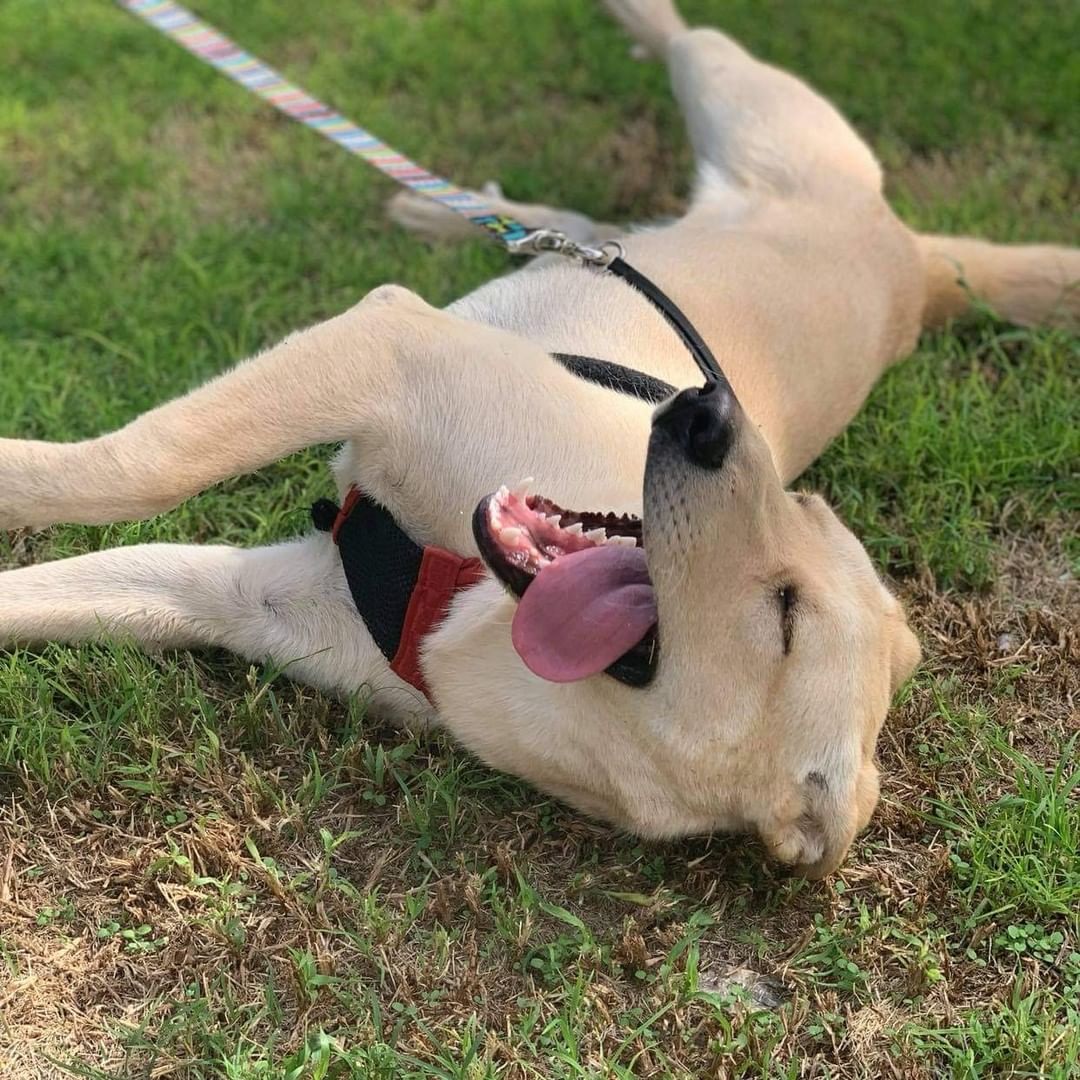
(615, 377)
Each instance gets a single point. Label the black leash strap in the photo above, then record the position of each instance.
(667, 307)
(609, 256)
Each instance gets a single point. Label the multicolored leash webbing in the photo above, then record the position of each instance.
(217, 50)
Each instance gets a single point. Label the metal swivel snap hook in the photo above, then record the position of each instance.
(551, 241)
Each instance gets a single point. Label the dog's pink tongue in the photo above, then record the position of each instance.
(583, 612)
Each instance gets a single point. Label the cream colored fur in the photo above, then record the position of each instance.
(792, 266)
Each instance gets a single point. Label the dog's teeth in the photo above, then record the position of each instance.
(510, 535)
(622, 541)
(597, 536)
(576, 529)
(523, 489)
(503, 493)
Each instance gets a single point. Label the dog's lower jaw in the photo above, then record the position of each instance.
(594, 744)
(580, 742)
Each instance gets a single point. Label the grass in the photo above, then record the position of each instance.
(207, 871)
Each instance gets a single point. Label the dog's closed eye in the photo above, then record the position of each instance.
(787, 597)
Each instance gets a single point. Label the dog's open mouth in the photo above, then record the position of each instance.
(586, 603)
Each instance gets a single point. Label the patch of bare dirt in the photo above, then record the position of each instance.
(643, 168)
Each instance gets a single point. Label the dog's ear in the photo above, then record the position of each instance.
(905, 652)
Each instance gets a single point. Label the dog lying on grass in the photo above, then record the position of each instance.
(661, 634)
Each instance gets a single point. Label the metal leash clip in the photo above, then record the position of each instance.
(553, 242)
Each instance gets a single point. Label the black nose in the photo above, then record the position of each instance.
(701, 422)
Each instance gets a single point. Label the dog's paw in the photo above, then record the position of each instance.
(432, 220)
(651, 23)
(426, 217)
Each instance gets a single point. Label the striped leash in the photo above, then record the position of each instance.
(213, 47)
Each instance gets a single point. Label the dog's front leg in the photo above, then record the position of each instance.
(288, 604)
(359, 373)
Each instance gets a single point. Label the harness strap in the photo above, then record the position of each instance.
(402, 591)
(442, 576)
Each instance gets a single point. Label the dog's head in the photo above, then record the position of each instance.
(764, 647)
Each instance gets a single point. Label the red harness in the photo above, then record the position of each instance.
(437, 576)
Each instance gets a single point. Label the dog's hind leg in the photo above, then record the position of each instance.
(752, 125)
(435, 222)
(288, 604)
